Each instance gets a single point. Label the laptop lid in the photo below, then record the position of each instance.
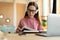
(53, 26)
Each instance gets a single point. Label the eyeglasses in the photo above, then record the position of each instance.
(33, 11)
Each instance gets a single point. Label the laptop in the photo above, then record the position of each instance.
(53, 26)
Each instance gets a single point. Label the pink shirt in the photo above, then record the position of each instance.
(30, 22)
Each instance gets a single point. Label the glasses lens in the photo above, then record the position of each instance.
(33, 11)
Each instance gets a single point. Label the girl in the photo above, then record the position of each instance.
(31, 18)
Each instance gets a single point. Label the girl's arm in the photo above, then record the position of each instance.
(19, 28)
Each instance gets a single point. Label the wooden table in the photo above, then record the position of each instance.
(29, 37)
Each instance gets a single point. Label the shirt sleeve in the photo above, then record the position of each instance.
(40, 26)
(20, 26)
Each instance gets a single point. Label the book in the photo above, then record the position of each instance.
(28, 29)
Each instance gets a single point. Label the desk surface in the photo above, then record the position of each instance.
(29, 37)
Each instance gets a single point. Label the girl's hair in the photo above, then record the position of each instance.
(36, 16)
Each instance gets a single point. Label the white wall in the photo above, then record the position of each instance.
(6, 0)
(14, 16)
(58, 7)
(21, 1)
(51, 5)
(45, 7)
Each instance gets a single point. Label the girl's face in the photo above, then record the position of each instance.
(31, 11)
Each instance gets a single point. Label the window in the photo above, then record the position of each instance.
(54, 7)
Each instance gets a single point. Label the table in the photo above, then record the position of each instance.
(30, 37)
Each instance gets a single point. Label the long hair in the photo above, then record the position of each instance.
(36, 16)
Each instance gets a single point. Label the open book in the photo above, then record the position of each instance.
(28, 29)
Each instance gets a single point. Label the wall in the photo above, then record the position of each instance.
(21, 1)
(20, 11)
(58, 6)
(7, 10)
(7, 1)
(40, 16)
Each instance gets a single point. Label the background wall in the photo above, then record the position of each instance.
(20, 11)
(6, 9)
(58, 6)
